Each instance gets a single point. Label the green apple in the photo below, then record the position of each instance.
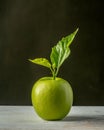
(52, 99)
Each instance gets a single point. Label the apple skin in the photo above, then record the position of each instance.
(52, 99)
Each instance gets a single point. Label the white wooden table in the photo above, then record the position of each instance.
(25, 118)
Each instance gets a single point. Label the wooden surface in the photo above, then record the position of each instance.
(25, 118)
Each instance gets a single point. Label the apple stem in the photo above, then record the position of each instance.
(54, 74)
(54, 77)
(57, 70)
(54, 71)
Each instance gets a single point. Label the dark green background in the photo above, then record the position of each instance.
(30, 28)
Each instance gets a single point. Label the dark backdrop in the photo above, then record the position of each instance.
(29, 28)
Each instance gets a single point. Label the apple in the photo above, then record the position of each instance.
(52, 97)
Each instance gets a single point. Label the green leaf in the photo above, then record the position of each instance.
(41, 61)
(59, 54)
(61, 51)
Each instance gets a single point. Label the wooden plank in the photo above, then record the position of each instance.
(25, 118)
